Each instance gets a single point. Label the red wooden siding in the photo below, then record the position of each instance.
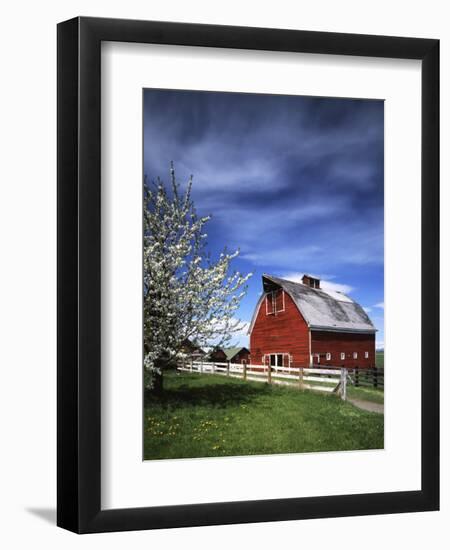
(218, 355)
(283, 332)
(243, 355)
(323, 342)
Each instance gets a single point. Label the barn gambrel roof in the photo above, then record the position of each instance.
(322, 309)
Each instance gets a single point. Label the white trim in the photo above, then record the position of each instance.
(328, 356)
(276, 353)
(284, 306)
(355, 355)
(366, 355)
(310, 351)
(256, 312)
(342, 355)
(273, 294)
(267, 304)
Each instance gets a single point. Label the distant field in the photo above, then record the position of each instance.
(379, 359)
(207, 415)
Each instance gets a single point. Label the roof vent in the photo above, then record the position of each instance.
(311, 281)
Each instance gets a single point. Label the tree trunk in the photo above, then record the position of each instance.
(158, 378)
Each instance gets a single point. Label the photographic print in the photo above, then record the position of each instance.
(263, 274)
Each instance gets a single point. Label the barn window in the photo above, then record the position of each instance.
(355, 355)
(328, 356)
(342, 355)
(274, 302)
(366, 355)
(276, 359)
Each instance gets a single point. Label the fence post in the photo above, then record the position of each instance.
(245, 371)
(269, 373)
(375, 378)
(213, 368)
(228, 368)
(192, 364)
(300, 378)
(356, 377)
(201, 366)
(344, 384)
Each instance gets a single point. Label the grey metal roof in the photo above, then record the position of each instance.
(323, 309)
(232, 352)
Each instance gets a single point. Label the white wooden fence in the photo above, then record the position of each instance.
(324, 380)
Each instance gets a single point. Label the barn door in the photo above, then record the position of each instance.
(276, 359)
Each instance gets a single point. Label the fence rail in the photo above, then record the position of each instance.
(367, 378)
(324, 380)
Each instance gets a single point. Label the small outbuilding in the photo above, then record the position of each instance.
(233, 355)
(191, 350)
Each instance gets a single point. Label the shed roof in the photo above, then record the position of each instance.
(322, 309)
(232, 352)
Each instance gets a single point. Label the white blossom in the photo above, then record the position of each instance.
(187, 295)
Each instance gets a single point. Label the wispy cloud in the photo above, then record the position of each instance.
(326, 285)
(296, 183)
(329, 246)
(379, 305)
(336, 287)
(241, 337)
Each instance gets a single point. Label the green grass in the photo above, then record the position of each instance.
(367, 394)
(379, 359)
(209, 415)
(376, 395)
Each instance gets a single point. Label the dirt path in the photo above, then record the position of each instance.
(367, 405)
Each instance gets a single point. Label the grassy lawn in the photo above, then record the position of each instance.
(379, 359)
(367, 394)
(376, 395)
(210, 415)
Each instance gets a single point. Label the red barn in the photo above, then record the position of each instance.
(300, 324)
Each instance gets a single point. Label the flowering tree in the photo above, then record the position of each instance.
(187, 295)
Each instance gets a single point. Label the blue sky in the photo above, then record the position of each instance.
(296, 183)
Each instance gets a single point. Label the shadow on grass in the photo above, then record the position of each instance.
(216, 395)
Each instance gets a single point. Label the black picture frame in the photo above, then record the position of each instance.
(79, 280)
